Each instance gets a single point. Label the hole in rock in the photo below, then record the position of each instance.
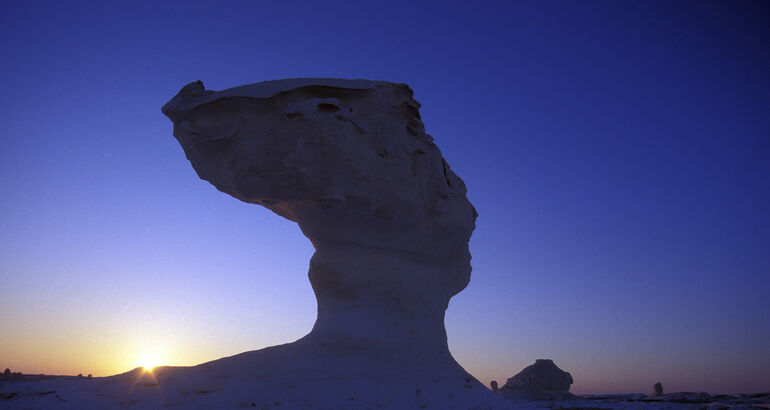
(326, 107)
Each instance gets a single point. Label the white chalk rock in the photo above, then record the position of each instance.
(349, 161)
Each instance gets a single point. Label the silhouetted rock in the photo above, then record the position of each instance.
(657, 389)
(540, 381)
(493, 384)
(9, 375)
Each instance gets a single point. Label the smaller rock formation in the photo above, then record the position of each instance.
(494, 386)
(657, 389)
(540, 381)
(7, 374)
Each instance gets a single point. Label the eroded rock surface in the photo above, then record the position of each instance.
(349, 161)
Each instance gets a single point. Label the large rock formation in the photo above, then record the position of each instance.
(540, 381)
(349, 161)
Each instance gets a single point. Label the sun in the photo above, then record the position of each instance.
(148, 361)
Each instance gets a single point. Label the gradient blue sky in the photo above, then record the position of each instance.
(618, 154)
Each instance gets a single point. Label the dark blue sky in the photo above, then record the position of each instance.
(618, 154)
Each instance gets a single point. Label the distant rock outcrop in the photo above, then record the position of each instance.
(7, 374)
(657, 389)
(540, 381)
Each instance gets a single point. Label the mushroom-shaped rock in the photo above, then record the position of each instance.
(349, 161)
(540, 381)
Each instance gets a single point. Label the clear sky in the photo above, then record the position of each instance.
(618, 153)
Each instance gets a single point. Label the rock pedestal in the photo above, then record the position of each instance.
(349, 161)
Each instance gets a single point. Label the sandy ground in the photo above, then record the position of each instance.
(143, 390)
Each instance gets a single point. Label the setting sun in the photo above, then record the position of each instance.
(149, 361)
